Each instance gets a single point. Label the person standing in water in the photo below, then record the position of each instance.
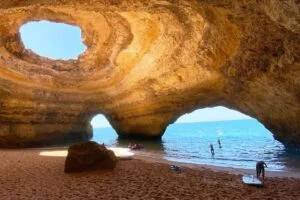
(212, 150)
(260, 169)
(219, 142)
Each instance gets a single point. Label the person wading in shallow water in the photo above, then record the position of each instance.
(219, 142)
(212, 150)
(260, 169)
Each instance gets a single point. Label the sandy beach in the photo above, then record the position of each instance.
(25, 174)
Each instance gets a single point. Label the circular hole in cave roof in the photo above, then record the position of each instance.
(52, 40)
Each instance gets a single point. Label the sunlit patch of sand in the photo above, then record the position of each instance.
(122, 153)
(63, 153)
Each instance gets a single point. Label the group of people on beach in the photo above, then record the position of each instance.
(212, 150)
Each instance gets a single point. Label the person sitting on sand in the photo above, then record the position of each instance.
(212, 151)
(260, 169)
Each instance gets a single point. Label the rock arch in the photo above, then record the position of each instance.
(147, 63)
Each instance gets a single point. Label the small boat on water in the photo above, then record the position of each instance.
(135, 146)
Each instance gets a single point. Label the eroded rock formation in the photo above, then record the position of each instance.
(89, 155)
(147, 63)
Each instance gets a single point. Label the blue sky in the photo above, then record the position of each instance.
(53, 40)
(61, 41)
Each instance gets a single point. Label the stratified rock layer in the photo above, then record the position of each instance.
(147, 63)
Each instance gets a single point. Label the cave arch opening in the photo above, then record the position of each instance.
(103, 132)
(243, 140)
(218, 113)
(52, 40)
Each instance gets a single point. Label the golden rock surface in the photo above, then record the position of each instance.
(147, 63)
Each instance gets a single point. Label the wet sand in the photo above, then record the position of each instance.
(25, 174)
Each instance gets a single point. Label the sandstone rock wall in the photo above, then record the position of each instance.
(147, 63)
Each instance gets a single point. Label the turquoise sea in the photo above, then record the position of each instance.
(243, 143)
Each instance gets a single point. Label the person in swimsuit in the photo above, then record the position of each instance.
(212, 150)
(219, 142)
(260, 169)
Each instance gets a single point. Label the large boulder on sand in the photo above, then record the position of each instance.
(89, 155)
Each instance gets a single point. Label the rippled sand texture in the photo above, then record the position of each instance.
(27, 175)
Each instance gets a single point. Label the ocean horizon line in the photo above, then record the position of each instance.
(196, 122)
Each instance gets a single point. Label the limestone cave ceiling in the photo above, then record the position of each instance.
(148, 62)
